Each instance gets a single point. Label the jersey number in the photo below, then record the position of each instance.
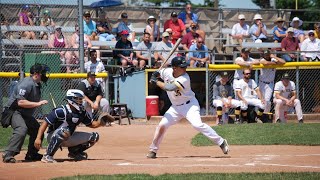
(178, 93)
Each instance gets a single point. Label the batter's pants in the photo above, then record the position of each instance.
(190, 111)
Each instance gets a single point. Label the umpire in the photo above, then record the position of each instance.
(24, 100)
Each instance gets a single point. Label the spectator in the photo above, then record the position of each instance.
(289, 43)
(279, 31)
(267, 76)
(197, 58)
(94, 100)
(169, 30)
(311, 44)
(240, 31)
(190, 38)
(285, 96)
(25, 19)
(153, 29)
(4, 22)
(59, 42)
(93, 65)
(89, 26)
(177, 26)
(258, 30)
(244, 60)
(296, 23)
(124, 25)
(46, 21)
(104, 28)
(223, 98)
(162, 51)
(145, 50)
(125, 57)
(249, 94)
(317, 30)
(188, 17)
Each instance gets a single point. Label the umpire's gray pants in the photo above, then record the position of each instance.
(23, 125)
(75, 139)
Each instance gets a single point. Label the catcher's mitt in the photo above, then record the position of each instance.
(105, 118)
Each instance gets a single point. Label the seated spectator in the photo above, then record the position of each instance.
(124, 25)
(199, 59)
(317, 30)
(279, 31)
(104, 28)
(125, 57)
(310, 44)
(258, 30)
(95, 66)
(153, 29)
(145, 50)
(58, 41)
(296, 23)
(162, 51)
(240, 31)
(289, 43)
(46, 21)
(188, 17)
(89, 26)
(190, 38)
(75, 43)
(25, 19)
(4, 22)
(177, 26)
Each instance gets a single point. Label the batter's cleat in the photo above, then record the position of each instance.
(258, 120)
(225, 147)
(48, 159)
(237, 121)
(152, 155)
(33, 157)
(278, 121)
(78, 156)
(301, 121)
(7, 157)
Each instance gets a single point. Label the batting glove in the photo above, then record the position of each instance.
(153, 79)
(156, 74)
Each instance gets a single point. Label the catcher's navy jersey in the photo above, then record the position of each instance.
(64, 116)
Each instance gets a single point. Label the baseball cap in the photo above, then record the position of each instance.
(124, 32)
(26, 6)
(169, 30)
(47, 12)
(310, 32)
(58, 27)
(241, 16)
(290, 29)
(179, 62)
(174, 14)
(86, 13)
(266, 52)
(285, 76)
(91, 74)
(243, 50)
(224, 73)
(165, 34)
(257, 16)
(124, 15)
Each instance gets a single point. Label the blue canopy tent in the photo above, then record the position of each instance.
(106, 3)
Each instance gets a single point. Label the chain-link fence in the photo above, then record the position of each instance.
(307, 86)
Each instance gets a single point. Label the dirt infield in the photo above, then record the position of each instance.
(123, 149)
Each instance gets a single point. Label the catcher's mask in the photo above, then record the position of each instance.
(43, 70)
(75, 99)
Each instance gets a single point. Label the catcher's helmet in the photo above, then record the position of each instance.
(75, 98)
(179, 62)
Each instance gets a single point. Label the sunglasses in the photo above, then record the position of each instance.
(242, 19)
(200, 42)
(247, 73)
(311, 34)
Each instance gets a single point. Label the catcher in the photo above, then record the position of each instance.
(62, 122)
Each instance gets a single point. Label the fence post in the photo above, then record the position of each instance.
(81, 36)
(207, 90)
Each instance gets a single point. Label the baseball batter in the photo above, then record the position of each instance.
(284, 96)
(267, 76)
(63, 122)
(248, 92)
(223, 98)
(244, 60)
(184, 105)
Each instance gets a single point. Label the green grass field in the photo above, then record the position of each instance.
(200, 176)
(265, 134)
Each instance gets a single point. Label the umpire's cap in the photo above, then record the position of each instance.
(285, 76)
(179, 62)
(39, 68)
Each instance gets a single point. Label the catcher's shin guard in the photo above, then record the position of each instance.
(82, 147)
(56, 140)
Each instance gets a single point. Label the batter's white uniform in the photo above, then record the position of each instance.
(238, 74)
(266, 84)
(280, 105)
(184, 105)
(248, 92)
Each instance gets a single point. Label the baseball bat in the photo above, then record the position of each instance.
(53, 102)
(171, 52)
